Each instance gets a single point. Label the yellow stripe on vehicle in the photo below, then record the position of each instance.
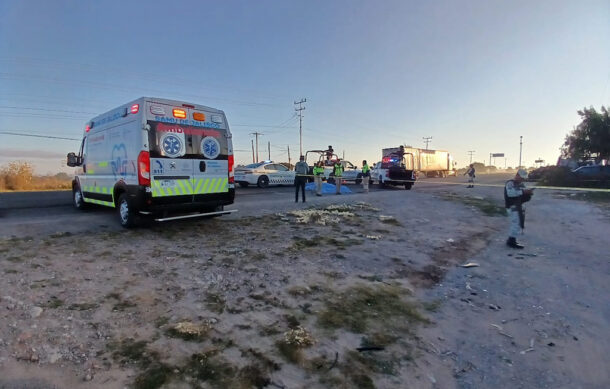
(206, 185)
(102, 164)
(199, 185)
(181, 187)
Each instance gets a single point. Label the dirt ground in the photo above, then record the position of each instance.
(350, 292)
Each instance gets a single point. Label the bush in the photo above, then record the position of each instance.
(558, 176)
(19, 175)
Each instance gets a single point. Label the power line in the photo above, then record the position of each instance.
(36, 135)
(427, 140)
(43, 109)
(471, 152)
(256, 135)
(300, 113)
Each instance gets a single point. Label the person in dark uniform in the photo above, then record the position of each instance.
(301, 169)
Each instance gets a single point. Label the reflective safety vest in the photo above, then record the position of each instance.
(318, 171)
(365, 169)
(338, 170)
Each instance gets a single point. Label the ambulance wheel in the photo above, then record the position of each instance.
(359, 179)
(127, 215)
(331, 178)
(263, 182)
(408, 185)
(77, 196)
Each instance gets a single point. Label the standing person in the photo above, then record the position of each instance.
(471, 176)
(301, 169)
(338, 170)
(515, 194)
(366, 176)
(318, 174)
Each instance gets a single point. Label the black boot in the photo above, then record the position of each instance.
(512, 242)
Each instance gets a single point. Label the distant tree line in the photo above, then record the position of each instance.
(19, 175)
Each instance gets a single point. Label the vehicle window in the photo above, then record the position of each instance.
(269, 167)
(178, 141)
(281, 168)
(254, 165)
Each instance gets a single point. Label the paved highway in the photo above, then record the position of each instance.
(26, 213)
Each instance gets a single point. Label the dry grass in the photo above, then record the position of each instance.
(358, 306)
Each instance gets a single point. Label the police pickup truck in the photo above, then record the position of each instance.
(351, 172)
(395, 168)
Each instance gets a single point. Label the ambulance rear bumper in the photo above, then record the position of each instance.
(143, 201)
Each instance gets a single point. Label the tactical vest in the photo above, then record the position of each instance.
(510, 201)
(338, 170)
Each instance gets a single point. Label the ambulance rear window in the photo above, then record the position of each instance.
(177, 141)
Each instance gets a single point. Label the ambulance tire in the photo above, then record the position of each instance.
(77, 197)
(359, 179)
(263, 182)
(127, 215)
(408, 185)
(331, 178)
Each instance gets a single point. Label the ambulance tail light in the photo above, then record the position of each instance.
(231, 160)
(179, 113)
(144, 168)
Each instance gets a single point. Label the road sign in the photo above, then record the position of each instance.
(497, 155)
(539, 161)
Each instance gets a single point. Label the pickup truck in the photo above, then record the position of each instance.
(351, 172)
(395, 168)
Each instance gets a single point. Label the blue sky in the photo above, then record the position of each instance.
(474, 75)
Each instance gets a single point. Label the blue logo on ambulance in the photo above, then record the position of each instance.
(172, 146)
(210, 147)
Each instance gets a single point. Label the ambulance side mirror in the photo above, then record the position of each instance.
(73, 160)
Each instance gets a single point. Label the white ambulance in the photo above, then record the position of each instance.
(152, 157)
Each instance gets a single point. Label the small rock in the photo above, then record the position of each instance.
(88, 377)
(34, 357)
(35, 312)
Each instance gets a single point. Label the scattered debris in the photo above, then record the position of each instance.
(551, 344)
(370, 348)
(470, 264)
(494, 307)
(374, 237)
(299, 337)
(450, 240)
(35, 312)
(335, 361)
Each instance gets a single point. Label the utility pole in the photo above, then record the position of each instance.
(289, 164)
(520, 149)
(489, 159)
(343, 158)
(269, 150)
(252, 140)
(300, 113)
(470, 152)
(427, 139)
(256, 135)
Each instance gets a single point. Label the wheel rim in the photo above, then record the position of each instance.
(124, 211)
(78, 198)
